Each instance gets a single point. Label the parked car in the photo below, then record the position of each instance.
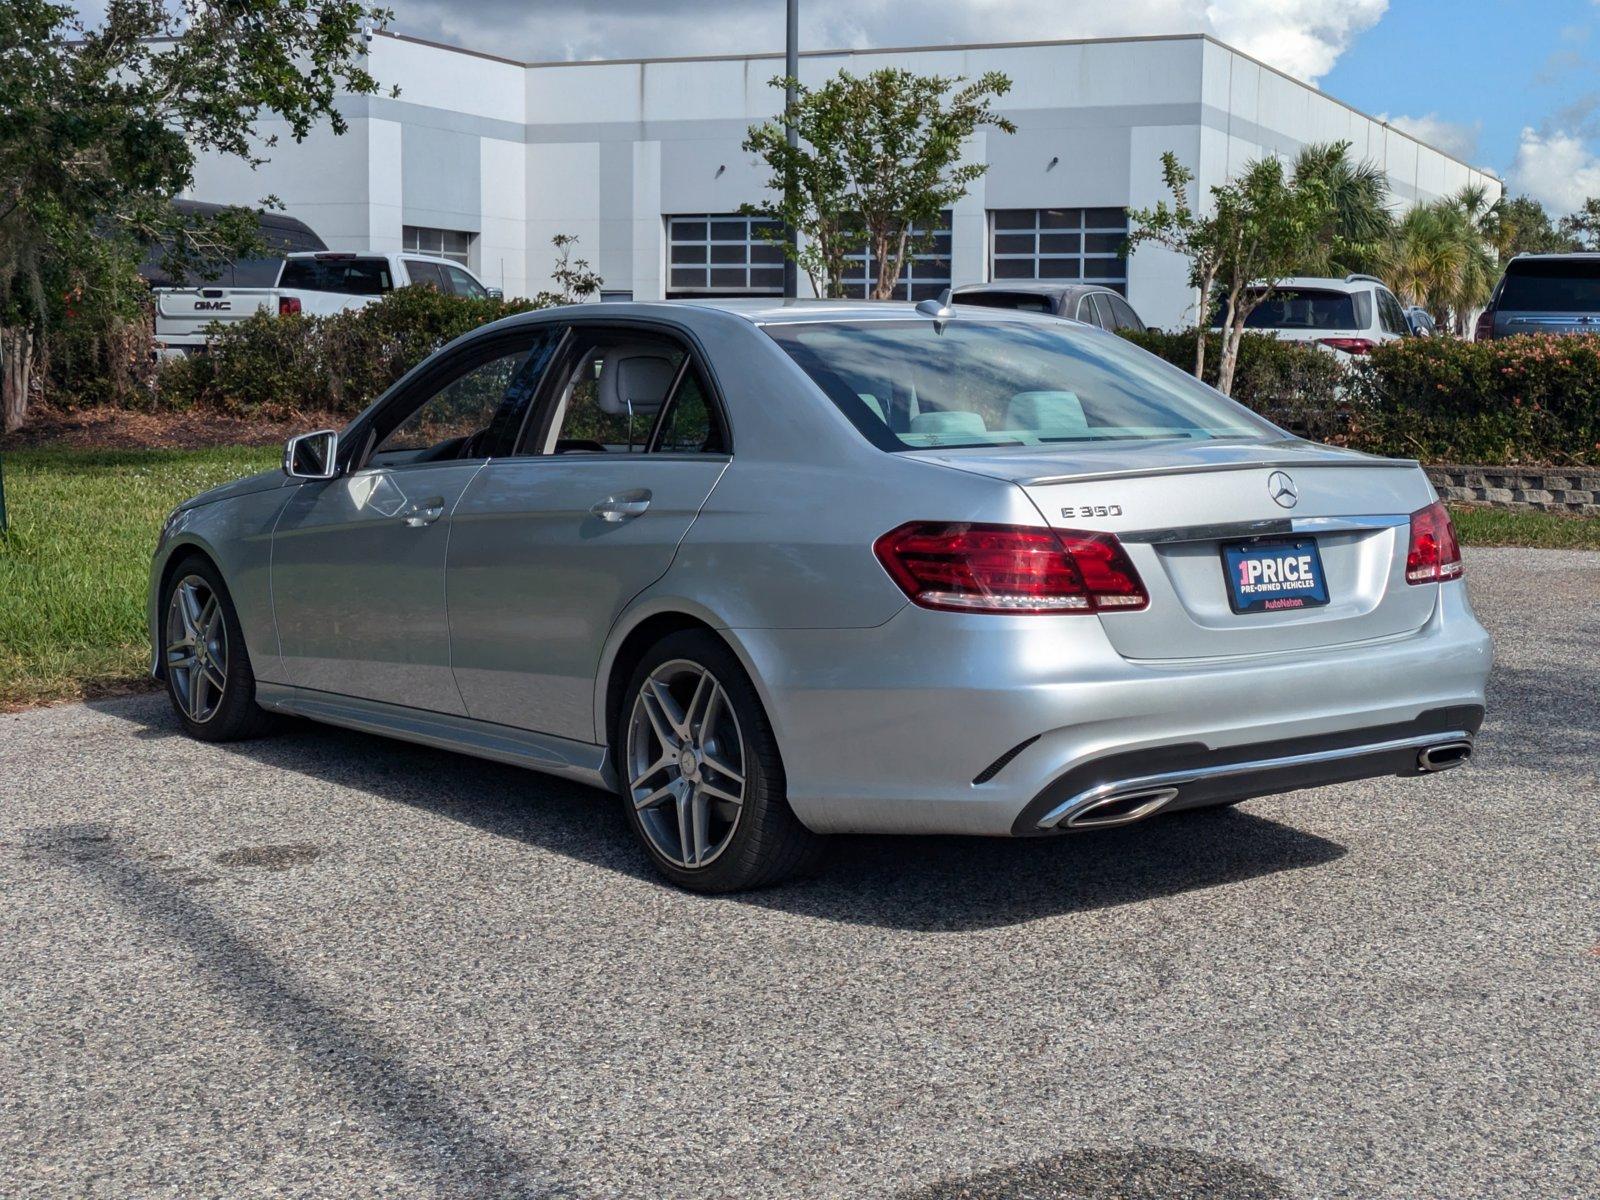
(1544, 293)
(1421, 321)
(315, 283)
(279, 233)
(1348, 316)
(1090, 303)
(773, 572)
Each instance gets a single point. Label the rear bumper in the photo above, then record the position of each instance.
(1121, 788)
(951, 724)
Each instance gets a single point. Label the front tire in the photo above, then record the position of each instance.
(209, 680)
(698, 769)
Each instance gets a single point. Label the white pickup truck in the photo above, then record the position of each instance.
(316, 283)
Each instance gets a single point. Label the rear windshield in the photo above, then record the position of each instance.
(911, 385)
(1306, 308)
(1554, 286)
(348, 276)
(1024, 301)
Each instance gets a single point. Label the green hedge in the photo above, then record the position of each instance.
(1292, 383)
(1531, 399)
(273, 365)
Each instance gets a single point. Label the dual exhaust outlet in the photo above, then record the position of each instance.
(1123, 804)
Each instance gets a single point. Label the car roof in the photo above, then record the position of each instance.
(773, 311)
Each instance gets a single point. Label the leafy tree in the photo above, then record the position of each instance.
(1520, 225)
(1358, 219)
(878, 156)
(1262, 226)
(100, 127)
(1583, 226)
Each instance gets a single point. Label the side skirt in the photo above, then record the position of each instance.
(578, 761)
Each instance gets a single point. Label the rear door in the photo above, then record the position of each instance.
(358, 562)
(548, 547)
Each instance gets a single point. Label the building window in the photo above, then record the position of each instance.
(441, 243)
(723, 254)
(925, 273)
(1060, 243)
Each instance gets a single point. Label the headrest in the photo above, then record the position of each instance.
(1046, 411)
(634, 380)
(948, 422)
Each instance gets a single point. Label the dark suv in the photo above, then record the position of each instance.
(1544, 293)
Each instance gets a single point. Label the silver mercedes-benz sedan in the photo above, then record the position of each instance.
(778, 571)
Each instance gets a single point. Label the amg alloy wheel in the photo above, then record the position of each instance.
(701, 779)
(685, 764)
(209, 678)
(196, 649)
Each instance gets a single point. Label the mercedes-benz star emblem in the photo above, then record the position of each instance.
(1282, 489)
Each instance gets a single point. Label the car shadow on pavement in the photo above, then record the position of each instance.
(429, 1133)
(910, 883)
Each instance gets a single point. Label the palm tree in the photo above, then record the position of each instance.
(1422, 257)
(1357, 195)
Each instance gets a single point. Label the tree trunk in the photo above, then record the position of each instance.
(16, 376)
(1203, 324)
(1229, 361)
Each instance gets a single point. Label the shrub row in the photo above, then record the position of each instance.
(272, 366)
(1519, 400)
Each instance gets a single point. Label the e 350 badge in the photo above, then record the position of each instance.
(1078, 511)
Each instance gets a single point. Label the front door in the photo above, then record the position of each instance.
(547, 549)
(358, 562)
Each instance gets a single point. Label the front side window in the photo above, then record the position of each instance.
(912, 385)
(426, 274)
(463, 284)
(476, 414)
(346, 275)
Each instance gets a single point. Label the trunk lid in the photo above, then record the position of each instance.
(1176, 504)
(185, 312)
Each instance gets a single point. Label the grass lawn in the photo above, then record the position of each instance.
(76, 562)
(74, 568)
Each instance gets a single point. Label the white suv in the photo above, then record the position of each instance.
(1347, 316)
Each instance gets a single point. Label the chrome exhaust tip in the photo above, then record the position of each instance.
(1443, 756)
(1122, 808)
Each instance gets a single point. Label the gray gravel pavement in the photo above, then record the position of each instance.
(326, 965)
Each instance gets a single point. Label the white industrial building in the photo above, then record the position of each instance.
(484, 159)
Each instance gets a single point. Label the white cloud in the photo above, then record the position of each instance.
(1453, 137)
(1557, 169)
(1302, 37)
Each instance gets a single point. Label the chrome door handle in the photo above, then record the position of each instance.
(424, 512)
(617, 509)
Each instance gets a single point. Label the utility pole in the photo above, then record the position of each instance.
(791, 68)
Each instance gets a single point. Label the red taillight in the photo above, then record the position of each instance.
(288, 306)
(1484, 329)
(1434, 554)
(1010, 568)
(1348, 345)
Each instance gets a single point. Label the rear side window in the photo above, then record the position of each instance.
(1390, 315)
(912, 385)
(347, 276)
(1308, 308)
(1557, 285)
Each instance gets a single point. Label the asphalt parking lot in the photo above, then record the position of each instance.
(329, 965)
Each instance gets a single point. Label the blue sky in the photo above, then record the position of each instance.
(1509, 84)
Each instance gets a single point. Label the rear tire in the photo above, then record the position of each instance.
(698, 770)
(209, 680)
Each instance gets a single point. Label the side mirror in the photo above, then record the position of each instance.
(312, 455)
(495, 293)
